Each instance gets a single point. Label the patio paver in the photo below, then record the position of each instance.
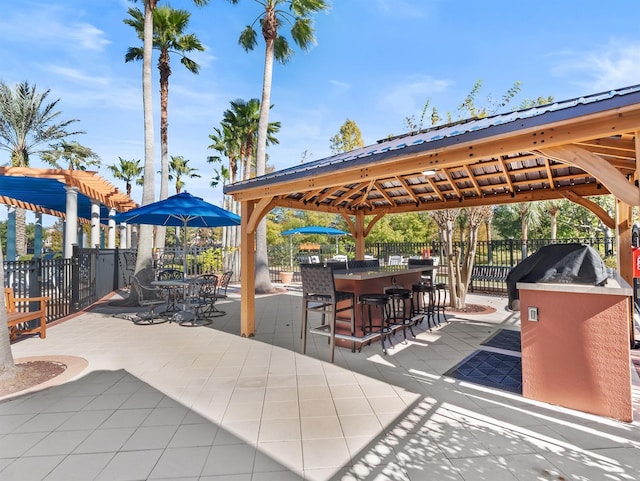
(166, 402)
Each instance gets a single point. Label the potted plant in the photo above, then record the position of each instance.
(286, 277)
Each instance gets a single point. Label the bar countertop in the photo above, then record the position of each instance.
(366, 274)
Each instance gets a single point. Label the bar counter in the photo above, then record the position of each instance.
(369, 281)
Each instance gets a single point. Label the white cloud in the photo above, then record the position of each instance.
(615, 66)
(44, 27)
(409, 96)
(88, 36)
(340, 87)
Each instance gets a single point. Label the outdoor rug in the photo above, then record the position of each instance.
(491, 369)
(506, 339)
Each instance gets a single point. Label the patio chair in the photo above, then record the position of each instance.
(395, 260)
(223, 284)
(319, 294)
(149, 297)
(206, 296)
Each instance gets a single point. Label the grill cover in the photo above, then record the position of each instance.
(561, 263)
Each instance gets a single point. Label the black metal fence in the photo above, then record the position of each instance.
(74, 284)
(507, 252)
(71, 284)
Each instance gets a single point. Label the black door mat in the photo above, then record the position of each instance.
(491, 369)
(504, 339)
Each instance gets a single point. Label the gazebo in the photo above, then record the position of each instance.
(571, 149)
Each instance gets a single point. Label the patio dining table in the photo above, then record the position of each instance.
(184, 313)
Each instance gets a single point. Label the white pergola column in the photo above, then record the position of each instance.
(95, 224)
(111, 230)
(123, 236)
(71, 224)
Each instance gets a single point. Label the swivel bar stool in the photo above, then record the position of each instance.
(422, 303)
(440, 302)
(400, 310)
(369, 325)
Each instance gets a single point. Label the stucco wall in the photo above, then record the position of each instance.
(577, 354)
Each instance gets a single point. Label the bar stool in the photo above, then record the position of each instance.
(399, 314)
(422, 303)
(440, 302)
(381, 303)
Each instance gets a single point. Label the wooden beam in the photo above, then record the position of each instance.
(371, 223)
(408, 189)
(384, 194)
(526, 140)
(617, 183)
(602, 214)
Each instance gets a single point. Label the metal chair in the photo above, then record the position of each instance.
(206, 296)
(149, 297)
(223, 283)
(319, 294)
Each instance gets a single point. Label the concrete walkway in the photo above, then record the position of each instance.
(202, 403)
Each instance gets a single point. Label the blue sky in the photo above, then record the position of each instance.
(375, 62)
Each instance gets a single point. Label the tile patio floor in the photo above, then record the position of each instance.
(176, 403)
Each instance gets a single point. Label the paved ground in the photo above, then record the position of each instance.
(202, 403)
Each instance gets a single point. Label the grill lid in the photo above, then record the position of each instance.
(560, 263)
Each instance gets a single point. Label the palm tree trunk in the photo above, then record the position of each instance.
(165, 71)
(263, 280)
(7, 363)
(145, 240)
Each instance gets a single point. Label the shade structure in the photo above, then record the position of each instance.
(315, 229)
(180, 210)
(312, 229)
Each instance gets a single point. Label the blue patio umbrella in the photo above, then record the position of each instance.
(180, 210)
(312, 229)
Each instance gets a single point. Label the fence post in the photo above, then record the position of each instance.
(511, 251)
(75, 279)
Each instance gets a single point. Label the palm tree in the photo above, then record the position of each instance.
(277, 46)
(236, 139)
(145, 245)
(128, 170)
(77, 156)
(179, 168)
(169, 38)
(28, 124)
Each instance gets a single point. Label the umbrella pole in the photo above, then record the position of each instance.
(290, 253)
(184, 261)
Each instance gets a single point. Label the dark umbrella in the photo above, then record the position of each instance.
(180, 210)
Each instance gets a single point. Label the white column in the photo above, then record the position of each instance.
(95, 224)
(71, 224)
(123, 236)
(111, 230)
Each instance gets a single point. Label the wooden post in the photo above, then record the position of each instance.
(248, 272)
(359, 235)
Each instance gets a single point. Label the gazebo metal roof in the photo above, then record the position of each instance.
(389, 176)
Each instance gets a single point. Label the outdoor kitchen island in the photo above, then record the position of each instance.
(576, 346)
